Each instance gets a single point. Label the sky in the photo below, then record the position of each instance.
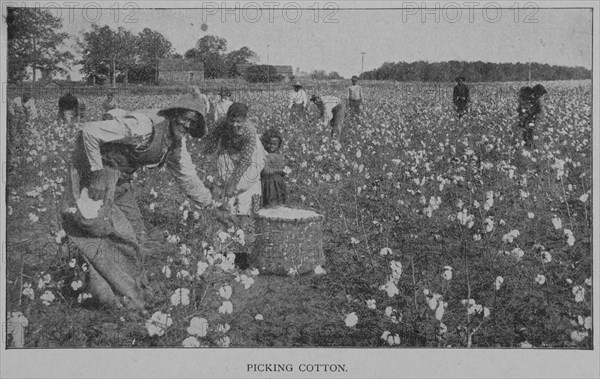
(334, 39)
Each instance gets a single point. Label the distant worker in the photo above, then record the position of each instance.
(70, 109)
(23, 107)
(530, 111)
(355, 97)
(524, 105)
(220, 108)
(109, 103)
(460, 96)
(331, 112)
(197, 94)
(298, 102)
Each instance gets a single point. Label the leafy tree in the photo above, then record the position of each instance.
(107, 52)
(323, 75)
(121, 55)
(474, 71)
(33, 43)
(263, 74)
(151, 46)
(210, 50)
(318, 74)
(209, 45)
(240, 56)
(334, 75)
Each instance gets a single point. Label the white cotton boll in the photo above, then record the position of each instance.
(546, 257)
(181, 296)
(198, 327)
(391, 289)
(439, 311)
(158, 323)
(578, 336)
(498, 283)
(588, 323)
(447, 273)
(191, 341)
(225, 292)
(226, 307)
(557, 223)
(88, 208)
(570, 237)
(579, 293)
(351, 319)
(47, 297)
(76, 284)
(393, 340)
(166, 271)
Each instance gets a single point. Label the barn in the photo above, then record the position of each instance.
(180, 71)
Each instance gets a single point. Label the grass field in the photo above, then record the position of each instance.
(438, 232)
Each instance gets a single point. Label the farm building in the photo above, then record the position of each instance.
(180, 70)
(286, 71)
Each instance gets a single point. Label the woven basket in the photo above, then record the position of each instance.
(284, 243)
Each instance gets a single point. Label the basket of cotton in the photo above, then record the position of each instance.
(289, 241)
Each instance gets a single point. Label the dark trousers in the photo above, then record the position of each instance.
(354, 106)
(297, 112)
(336, 123)
(125, 199)
(528, 137)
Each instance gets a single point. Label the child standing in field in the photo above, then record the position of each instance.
(272, 177)
(355, 97)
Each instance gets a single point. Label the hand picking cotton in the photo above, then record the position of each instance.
(89, 208)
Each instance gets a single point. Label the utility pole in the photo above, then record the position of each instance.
(529, 70)
(114, 70)
(362, 64)
(34, 64)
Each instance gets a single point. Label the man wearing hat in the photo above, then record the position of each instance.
(355, 97)
(298, 103)
(105, 158)
(460, 96)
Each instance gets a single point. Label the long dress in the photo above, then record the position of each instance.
(249, 186)
(274, 189)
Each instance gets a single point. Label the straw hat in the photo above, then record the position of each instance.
(188, 102)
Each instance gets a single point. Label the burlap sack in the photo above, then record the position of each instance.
(108, 244)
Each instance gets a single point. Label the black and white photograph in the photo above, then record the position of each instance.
(287, 189)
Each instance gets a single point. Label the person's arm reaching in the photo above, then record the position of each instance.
(179, 162)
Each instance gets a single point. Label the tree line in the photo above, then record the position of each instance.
(423, 71)
(109, 55)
